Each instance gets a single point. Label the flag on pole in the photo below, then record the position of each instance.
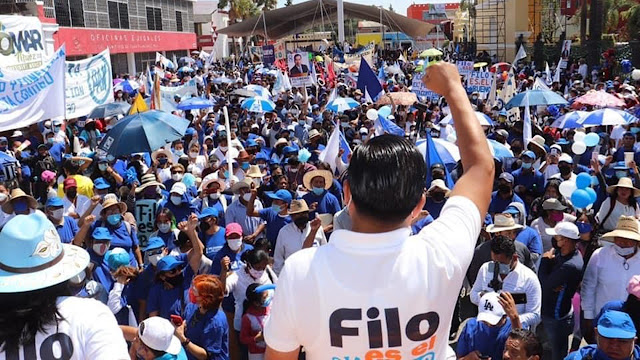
(333, 96)
(381, 75)
(314, 75)
(526, 126)
(332, 149)
(383, 125)
(556, 76)
(175, 60)
(367, 79)
(367, 97)
(431, 157)
(547, 72)
(520, 55)
(539, 85)
(138, 105)
(491, 101)
(148, 83)
(344, 145)
(155, 97)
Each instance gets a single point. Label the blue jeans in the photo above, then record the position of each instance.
(557, 335)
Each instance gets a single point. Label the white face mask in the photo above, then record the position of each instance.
(246, 197)
(193, 154)
(224, 148)
(153, 259)
(214, 196)
(624, 251)
(176, 177)
(235, 244)
(256, 274)
(176, 200)
(3, 197)
(164, 227)
(57, 214)
(101, 248)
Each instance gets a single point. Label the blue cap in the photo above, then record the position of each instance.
(289, 150)
(190, 131)
(616, 325)
(261, 156)
(3, 139)
(507, 177)
(529, 154)
(116, 257)
(101, 184)
(503, 112)
(562, 141)
(251, 143)
(314, 106)
(208, 212)
(101, 233)
(155, 242)
(54, 202)
(281, 194)
(168, 263)
(511, 210)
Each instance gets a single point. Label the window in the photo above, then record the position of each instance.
(179, 21)
(69, 13)
(118, 15)
(154, 18)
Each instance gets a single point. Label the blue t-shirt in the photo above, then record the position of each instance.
(275, 222)
(100, 271)
(235, 265)
(67, 230)
(121, 237)
(531, 239)
(327, 203)
(143, 282)
(488, 340)
(168, 301)
(210, 331)
(433, 207)
(592, 350)
(417, 227)
(499, 204)
(529, 179)
(213, 243)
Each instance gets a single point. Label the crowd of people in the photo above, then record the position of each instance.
(489, 244)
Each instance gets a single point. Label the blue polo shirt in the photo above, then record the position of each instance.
(529, 179)
(169, 301)
(327, 203)
(417, 227)
(67, 230)
(213, 243)
(488, 340)
(143, 282)
(182, 211)
(101, 271)
(120, 237)
(228, 303)
(210, 331)
(531, 239)
(592, 352)
(498, 204)
(433, 207)
(275, 222)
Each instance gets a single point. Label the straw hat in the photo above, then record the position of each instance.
(538, 142)
(148, 180)
(210, 179)
(326, 174)
(245, 183)
(298, 206)
(624, 182)
(503, 222)
(439, 184)
(627, 228)
(109, 202)
(254, 172)
(154, 155)
(16, 194)
(313, 133)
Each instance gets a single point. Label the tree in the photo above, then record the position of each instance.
(391, 8)
(621, 18)
(583, 22)
(596, 22)
(243, 9)
(288, 3)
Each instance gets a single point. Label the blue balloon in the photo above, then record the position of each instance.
(592, 195)
(583, 180)
(385, 111)
(553, 110)
(592, 139)
(580, 198)
(627, 67)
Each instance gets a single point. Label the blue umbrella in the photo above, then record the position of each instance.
(185, 69)
(447, 151)
(195, 103)
(165, 104)
(223, 80)
(126, 86)
(260, 90)
(109, 110)
(607, 117)
(143, 132)
(483, 119)
(342, 104)
(570, 120)
(536, 97)
(258, 104)
(499, 151)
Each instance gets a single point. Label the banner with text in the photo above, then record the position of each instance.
(465, 67)
(280, 50)
(268, 55)
(480, 82)
(354, 59)
(418, 88)
(27, 97)
(145, 214)
(88, 84)
(170, 92)
(21, 43)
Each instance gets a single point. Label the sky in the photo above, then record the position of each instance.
(399, 6)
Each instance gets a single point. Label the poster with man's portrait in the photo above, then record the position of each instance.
(299, 69)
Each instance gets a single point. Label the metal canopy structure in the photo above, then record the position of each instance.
(297, 18)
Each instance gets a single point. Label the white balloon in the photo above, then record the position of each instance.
(578, 147)
(635, 74)
(567, 188)
(579, 136)
(372, 114)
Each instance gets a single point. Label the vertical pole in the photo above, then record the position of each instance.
(340, 22)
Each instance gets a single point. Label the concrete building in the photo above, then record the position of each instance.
(207, 20)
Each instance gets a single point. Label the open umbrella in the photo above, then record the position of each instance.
(570, 120)
(499, 67)
(598, 98)
(195, 103)
(484, 119)
(607, 117)
(258, 104)
(244, 93)
(430, 53)
(480, 65)
(187, 59)
(448, 151)
(127, 86)
(536, 97)
(260, 90)
(143, 132)
(109, 110)
(342, 104)
(185, 69)
(399, 98)
(498, 150)
(223, 80)
(165, 104)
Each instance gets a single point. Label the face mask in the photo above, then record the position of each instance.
(635, 130)
(50, 140)
(153, 259)
(255, 273)
(504, 188)
(178, 152)
(214, 196)
(318, 190)
(102, 167)
(584, 227)
(247, 197)
(57, 214)
(176, 280)
(301, 221)
(234, 244)
(114, 219)
(224, 148)
(193, 154)
(3, 197)
(101, 248)
(176, 177)
(19, 206)
(344, 124)
(164, 227)
(621, 174)
(301, 122)
(624, 251)
(557, 217)
(293, 170)
(276, 208)
(176, 200)
(526, 166)
(244, 165)
(504, 269)
(564, 170)
(72, 193)
(162, 161)
(204, 227)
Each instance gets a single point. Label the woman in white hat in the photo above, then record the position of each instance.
(623, 197)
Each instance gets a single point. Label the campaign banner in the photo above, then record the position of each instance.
(299, 69)
(268, 55)
(564, 54)
(27, 97)
(89, 83)
(480, 82)
(145, 213)
(255, 54)
(354, 59)
(465, 67)
(164, 61)
(280, 50)
(421, 91)
(170, 92)
(21, 43)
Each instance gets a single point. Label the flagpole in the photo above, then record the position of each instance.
(340, 22)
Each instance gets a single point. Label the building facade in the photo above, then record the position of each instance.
(208, 19)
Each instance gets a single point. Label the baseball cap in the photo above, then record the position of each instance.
(553, 204)
(233, 228)
(54, 202)
(70, 182)
(506, 176)
(101, 233)
(101, 184)
(281, 194)
(116, 257)
(616, 325)
(566, 229)
(157, 333)
(489, 309)
(155, 242)
(529, 154)
(210, 211)
(168, 263)
(566, 158)
(511, 210)
(179, 188)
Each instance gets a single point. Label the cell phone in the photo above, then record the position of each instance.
(519, 298)
(176, 320)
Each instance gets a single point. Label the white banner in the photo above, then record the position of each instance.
(169, 92)
(464, 67)
(145, 214)
(27, 97)
(480, 82)
(89, 83)
(21, 43)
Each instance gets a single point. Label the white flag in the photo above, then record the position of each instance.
(491, 101)
(556, 76)
(547, 71)
(526, 126)
(539, 85)
(332, 149)
(520, 55)
(333, 96)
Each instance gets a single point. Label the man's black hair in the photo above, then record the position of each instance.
(530, 342)
(387, 177)
(503, 245)
(297, 55)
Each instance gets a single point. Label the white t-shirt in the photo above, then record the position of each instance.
(89, 331)
(619, 209)
(404, 285)
(290, 240)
